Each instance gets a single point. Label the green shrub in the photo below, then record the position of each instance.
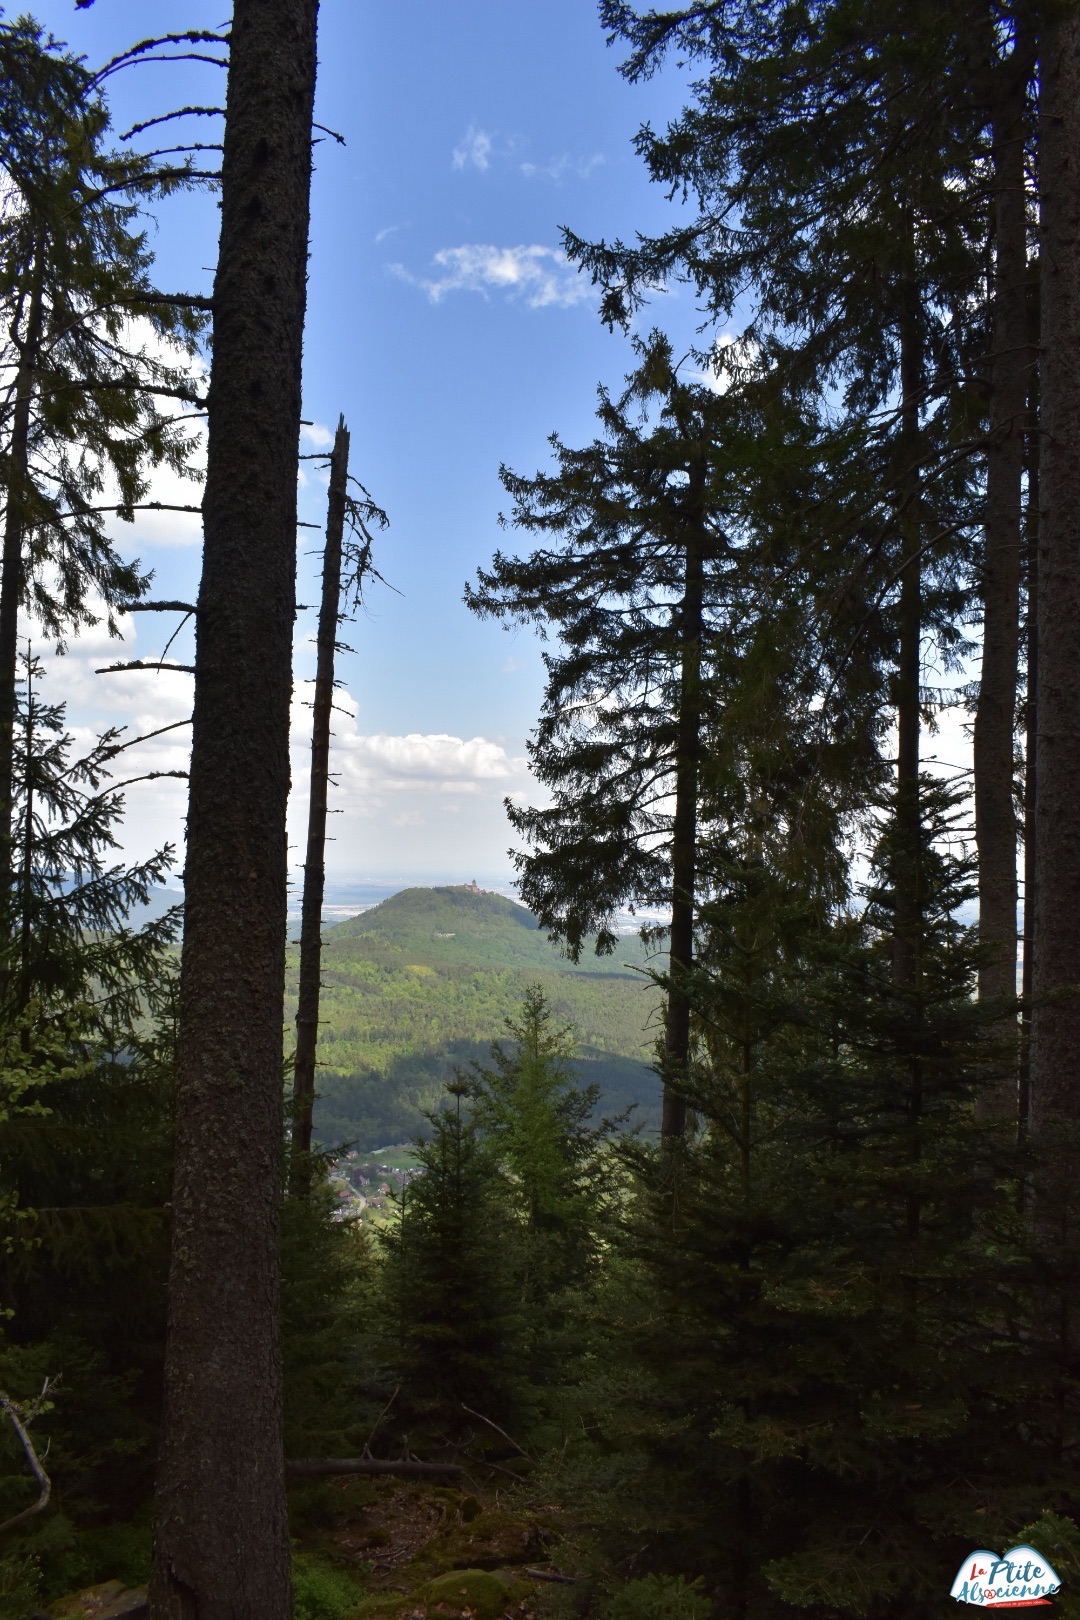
(321, 1592)
(20, 1584)
(658, 1597)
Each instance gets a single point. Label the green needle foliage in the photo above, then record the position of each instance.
(823, 1334)
(449, 1300)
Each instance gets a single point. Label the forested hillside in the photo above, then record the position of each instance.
(422, 984)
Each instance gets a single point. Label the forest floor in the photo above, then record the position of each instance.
(422, 1550)
(397, 1550)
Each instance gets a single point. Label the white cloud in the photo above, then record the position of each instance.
(558, 168)
(387, 230)
(474, 150)
(429, 763)
(510, 665)
(542, 276)
(318, 435)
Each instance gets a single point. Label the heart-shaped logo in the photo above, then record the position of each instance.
(1018, 1580)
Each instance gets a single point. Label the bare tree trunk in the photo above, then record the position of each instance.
(18, 480)
(908, 873)
(684, 832)
(1055, 1067)
(1031, 771)
(908, 918)
(995, 719)
(307, 1009)
(222, 1544)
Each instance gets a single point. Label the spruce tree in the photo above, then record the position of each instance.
(448, 1302)
(675, 552)
(92, 357)
(559, 1175)
(821, 1348)
(838, 156)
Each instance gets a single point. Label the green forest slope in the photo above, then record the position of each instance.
(423, 982)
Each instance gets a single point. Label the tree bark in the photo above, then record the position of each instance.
(11, 583)
(307, 1009)
(1055, 1067)
(995, 718)
(684, 829)
(222, 1545)
(1031, 772)
(908, 876)
(908, 873)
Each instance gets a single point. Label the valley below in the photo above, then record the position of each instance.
(421, 985)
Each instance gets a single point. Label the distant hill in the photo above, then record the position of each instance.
(423, 982)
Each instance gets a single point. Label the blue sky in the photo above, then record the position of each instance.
(445, 325)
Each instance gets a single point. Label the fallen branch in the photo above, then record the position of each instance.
(507, 1437)
(44, 1482)
(550, 1575)
(370, 1465)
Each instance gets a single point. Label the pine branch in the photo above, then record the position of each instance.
(180, 300)
(118, 748)
(150, 776)
(139, 663)
(190, 36)
(181, 112)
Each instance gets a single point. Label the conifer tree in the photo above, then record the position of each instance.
(557, 1171)
(447, 1291)
(837, 157)
(91, 355)
(824, 1369)
(86, 1082)
(662, 530)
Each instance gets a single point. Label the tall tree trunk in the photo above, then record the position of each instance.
(27, 899)
(908, 919)
(222, 1544)
(1055, 1067)
(908, 872)
(11, 583)
(307, 1009)
(684, 830)
(1031, 770)
(995, 719)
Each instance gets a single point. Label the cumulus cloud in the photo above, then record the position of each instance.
(424, 762)
(318, 435)
(542, 276)
(563, 167)
(474, 150)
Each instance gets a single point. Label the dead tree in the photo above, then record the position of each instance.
(346, 563)
(20, 1418)
(222, 1543)
(307, 1010)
